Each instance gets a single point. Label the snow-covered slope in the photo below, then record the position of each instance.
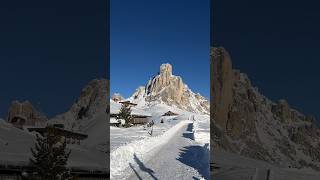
(87, 115)
(229, 166)
(92, 102)
(115, 109)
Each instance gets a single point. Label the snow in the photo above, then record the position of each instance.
(202, 129)
(97, 135)
(122, 156)
(15, 145)
(115, 109)
(179, 158)
(229, 166)
(178, 147)
(181, 138)
(125, 157)
(123, 136)
(129, 144)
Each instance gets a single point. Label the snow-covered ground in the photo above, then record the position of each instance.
(15, 145)
(229, 166)
(144, 148)
(132, 149)
(179, 158)
(202, 129)
(122, 136)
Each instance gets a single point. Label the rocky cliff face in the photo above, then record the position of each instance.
(116, 97)
(92, 101)
(247, 123)
(171, 90)
(26, 114)
(223, 79)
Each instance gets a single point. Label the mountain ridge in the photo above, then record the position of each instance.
(247, 123)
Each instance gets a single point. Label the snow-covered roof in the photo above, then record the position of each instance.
(115, 109)
(15, 145)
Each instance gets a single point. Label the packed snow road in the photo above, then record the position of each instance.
(179, 158)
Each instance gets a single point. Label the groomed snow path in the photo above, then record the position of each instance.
(181, 158)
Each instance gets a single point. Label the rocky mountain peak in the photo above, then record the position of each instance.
(24, 113)
(165, 81)
(265, 130)
(93, 99)
(223, 82)
(171, 90)
(116, 97)
(166, 70)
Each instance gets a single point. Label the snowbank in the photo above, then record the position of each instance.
(202, 129)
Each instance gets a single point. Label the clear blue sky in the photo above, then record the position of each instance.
(144, 34)
(49, 50)
(277, 43)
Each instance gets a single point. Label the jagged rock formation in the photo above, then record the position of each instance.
(24, 114)
(245, 122)
(171, 90)
(116, 97)
(222, 84)
(169, 87)
(92, 100)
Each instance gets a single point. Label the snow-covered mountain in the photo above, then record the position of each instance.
(245, 122)
(116, 97)
(91, 103)
(168, 89)
(89, 115)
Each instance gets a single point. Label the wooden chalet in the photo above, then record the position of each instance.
(170, 113)
(139, 116)
(70, 136)
(128, 103)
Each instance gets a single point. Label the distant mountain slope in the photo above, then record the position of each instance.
(92, 102)
(89, 115)
(249, 124)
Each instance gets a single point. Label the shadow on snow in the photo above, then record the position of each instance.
(189, 134)
(142, 168)
(196, 157)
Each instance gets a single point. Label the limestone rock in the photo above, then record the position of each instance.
(171, 90)
(242, 117)
(24, 114)
(116, 97)
(222, 94)
(93, 99)
(166, 85)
